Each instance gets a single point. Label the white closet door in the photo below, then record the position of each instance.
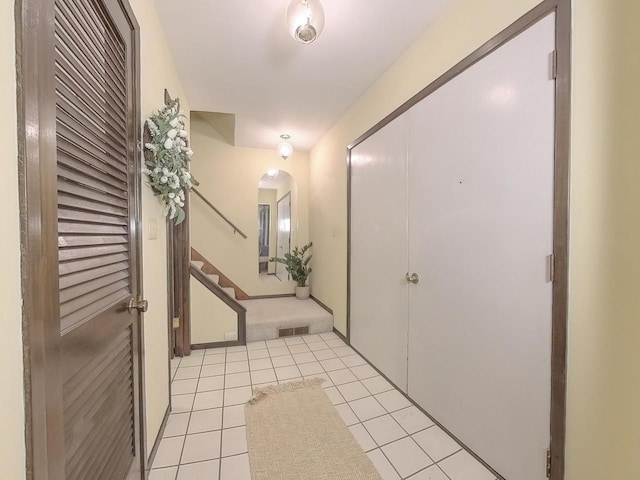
(379, 302)
(481, 206)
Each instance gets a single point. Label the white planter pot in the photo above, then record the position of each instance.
(302, 293)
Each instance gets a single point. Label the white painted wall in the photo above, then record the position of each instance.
(157, 73)
(211, 318)
(12, 449)
(229, 179)
(603, 417)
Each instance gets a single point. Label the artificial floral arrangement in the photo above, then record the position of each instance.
(166, 155)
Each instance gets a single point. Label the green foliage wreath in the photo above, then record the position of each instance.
(166, 155)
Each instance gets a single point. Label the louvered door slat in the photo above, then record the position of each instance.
(94, 133)
(89, 181)
(114, 437)
(70, 280)
(80, 388)
(82, 203)
(78, 146)
(106, 136)
(93, 28)
(75, 69)
(93, 296)
(93, 102)
(77, 34)
(70, 293)
(78, 216)
(73, 188)
(90, 240)
(91, 264)
(69, 254)
(79, 228)
(79, 317)
(90, 397)
(83, 440)
(103, 32)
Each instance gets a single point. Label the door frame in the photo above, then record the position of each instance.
(36, 112)
(288, 194)
(562, 9)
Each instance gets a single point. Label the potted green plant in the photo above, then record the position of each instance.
(298, 267)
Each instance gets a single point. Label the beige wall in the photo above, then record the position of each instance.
(229, 178)
(603, 428)
(211, 318)
(604, 311)
(157, 73)
(12, 449)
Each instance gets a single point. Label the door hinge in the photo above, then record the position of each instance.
(548, 463)
(554, 64)
(551, 268)
(175, 323)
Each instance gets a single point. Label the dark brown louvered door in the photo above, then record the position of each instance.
(97, 247)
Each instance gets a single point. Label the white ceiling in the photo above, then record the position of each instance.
(236, 57)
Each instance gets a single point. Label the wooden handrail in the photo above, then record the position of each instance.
(230, 302)
(235, 229)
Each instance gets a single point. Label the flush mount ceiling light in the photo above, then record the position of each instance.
(285, 149)
(305, 19)
(273, 173)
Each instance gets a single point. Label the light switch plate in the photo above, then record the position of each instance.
(152, 229)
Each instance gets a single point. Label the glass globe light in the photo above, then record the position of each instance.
(305, 19)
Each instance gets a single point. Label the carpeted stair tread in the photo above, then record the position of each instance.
(265, 317)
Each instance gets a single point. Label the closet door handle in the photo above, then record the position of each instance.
(413, 278)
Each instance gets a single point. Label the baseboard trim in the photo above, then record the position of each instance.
(321, 304)
(156, 444)
(226, 343)
(279, 295)
(343, 338)
(415, 404)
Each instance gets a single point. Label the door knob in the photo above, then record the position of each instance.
(413, 278)
(140, 305)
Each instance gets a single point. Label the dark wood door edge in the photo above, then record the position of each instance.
(224, 281)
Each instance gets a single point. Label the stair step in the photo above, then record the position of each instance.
(229, 291)
(197, 264)
(214, 278)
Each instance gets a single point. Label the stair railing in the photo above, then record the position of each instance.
(210, 205)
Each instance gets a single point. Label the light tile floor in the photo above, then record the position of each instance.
(205, 437)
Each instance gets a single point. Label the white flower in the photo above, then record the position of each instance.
(175, 122)
(172, 195)
(172, 133)
(163, 179)
(153, 128)
(168, 144)
(190, 152)
(165, 171)
(183, 133)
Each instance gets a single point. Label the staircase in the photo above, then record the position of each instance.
(215, 278)
(268, 318)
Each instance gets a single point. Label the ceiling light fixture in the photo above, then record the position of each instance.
(285, 149)
(273, 173)
(305, 19)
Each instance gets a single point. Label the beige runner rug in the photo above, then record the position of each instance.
(294, 433)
